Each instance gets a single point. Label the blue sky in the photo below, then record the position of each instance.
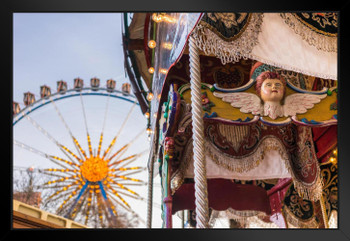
(62, 46)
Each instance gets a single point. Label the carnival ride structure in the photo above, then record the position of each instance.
(222, 148)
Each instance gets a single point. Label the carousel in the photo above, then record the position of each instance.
(242, 116)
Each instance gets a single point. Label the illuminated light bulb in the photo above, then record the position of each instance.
(163, 71)
(148, 131)
(158, 97)
(157, 17)
(167, 45)
(332, 159)
(155, 115)
(335, 152)
(147, 115)
(152, 44)
(149, 96)
(151, 70)
(169, 19)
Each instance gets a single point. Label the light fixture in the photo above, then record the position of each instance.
(147, 115)
(163, 71)
(169, 19)
(148, 131)
(149, 96)
(151, 70)
(152, 44)
(167, 45)
(157, 17)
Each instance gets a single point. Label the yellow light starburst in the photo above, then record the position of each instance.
(94, 181)
(94, 169)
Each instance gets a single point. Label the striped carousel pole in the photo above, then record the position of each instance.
(200, 177)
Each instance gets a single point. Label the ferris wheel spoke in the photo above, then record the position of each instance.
(131, 159)
(78, 207)
(123, 187)
(103, 126)
(31, 149)
(86, 127)
(72, 194)
(124, 178)
(100, 144)
(100, 208)
(129, 173)
(113, 196)
(64, 190)
(62, 180)
(40, 153)
(82, 190)
(122, 150)
(65, 124)
(70, 152)
(109, 149)
(66, 171)
(53, 187)
(121, 192)
(88, 207)
(104, 194)
(71, 164)
(117, 194)
(46, 133)
(132, 184)
(80, 149)
(54, 175)
(129, 168)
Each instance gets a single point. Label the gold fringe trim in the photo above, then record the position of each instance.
(211, 44)
(309, 191)
(178, 177)
(320, 41)
(248, 162)
(291, 219)
(234, 164)
(243, 216)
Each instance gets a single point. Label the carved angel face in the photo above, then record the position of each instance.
(270, 87)
(272, 90)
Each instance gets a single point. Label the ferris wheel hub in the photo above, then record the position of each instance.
(94, 169)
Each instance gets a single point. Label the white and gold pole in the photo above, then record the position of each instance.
(200, 177)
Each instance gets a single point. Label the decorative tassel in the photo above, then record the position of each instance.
(233, 51)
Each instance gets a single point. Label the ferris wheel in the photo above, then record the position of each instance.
(91, 144)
